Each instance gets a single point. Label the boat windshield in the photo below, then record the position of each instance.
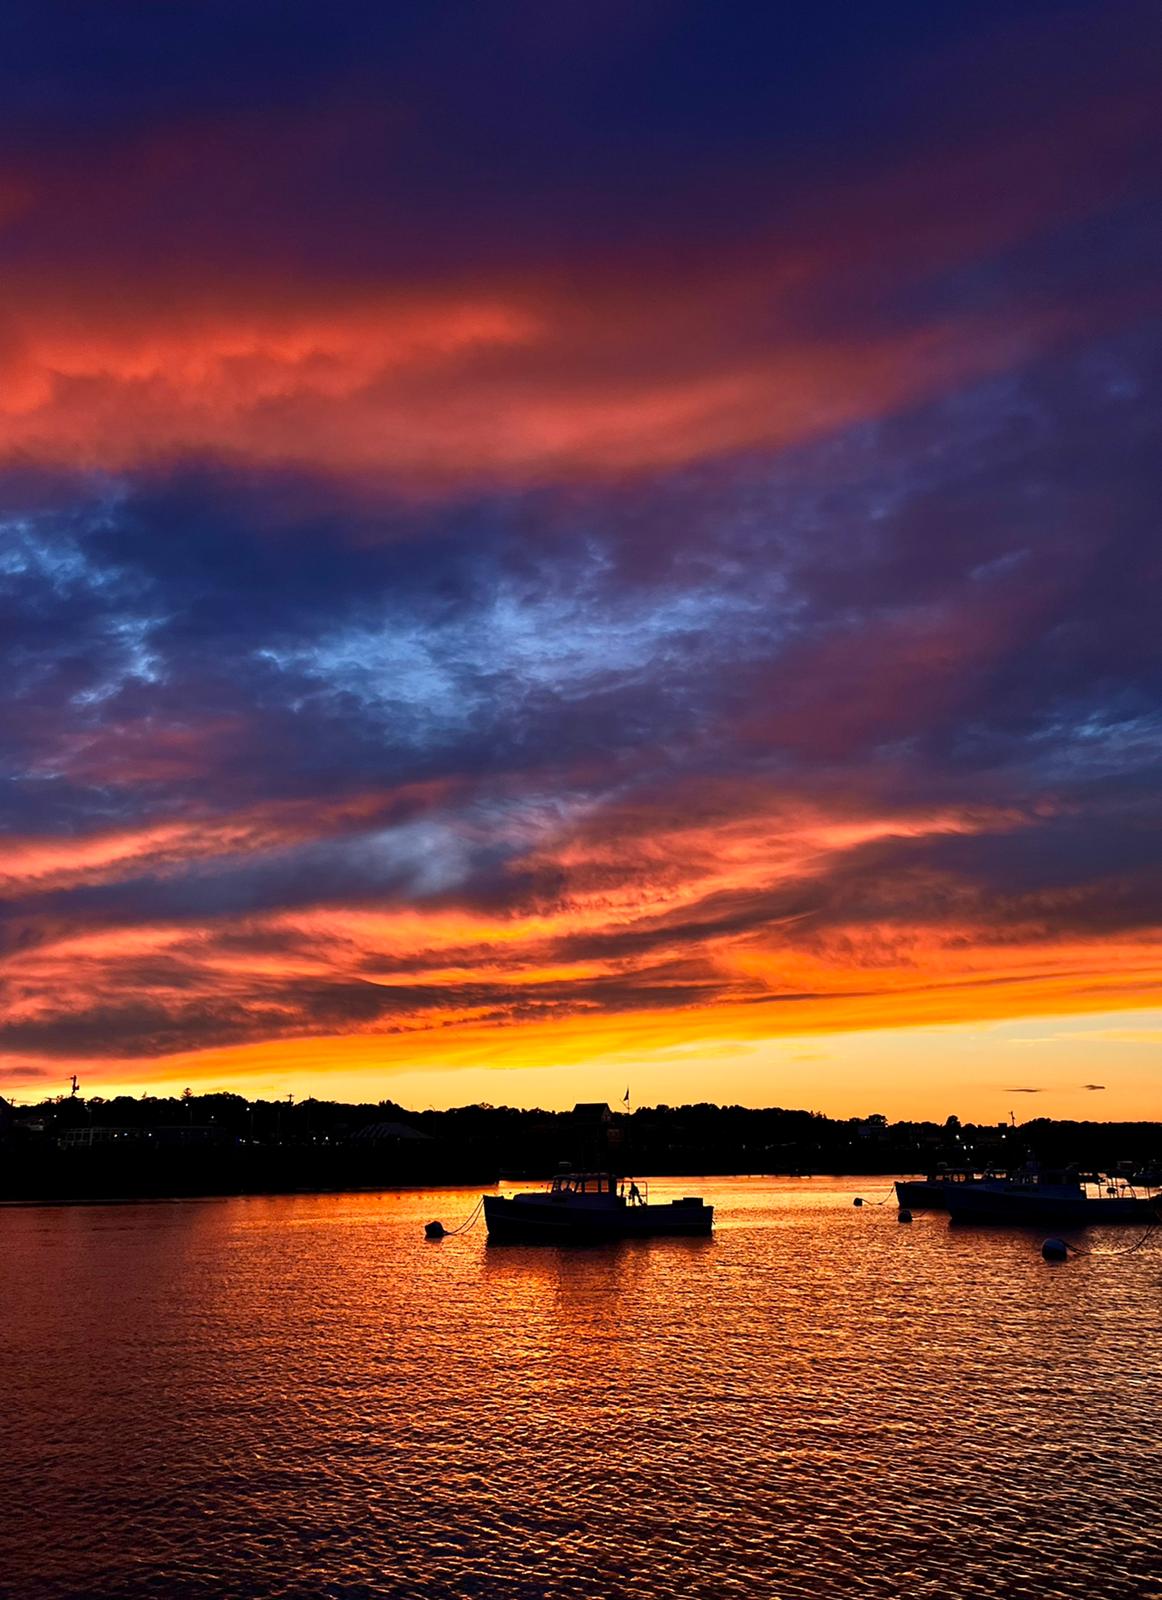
(585, 1183)
(601, 1183)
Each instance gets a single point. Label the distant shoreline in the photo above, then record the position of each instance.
(74, 1150)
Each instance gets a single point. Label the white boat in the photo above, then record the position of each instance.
(1064, 1199)
(592, 1205)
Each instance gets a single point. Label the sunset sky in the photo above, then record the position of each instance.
(549, 546)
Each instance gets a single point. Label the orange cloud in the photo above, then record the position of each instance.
(35, 864)
(695, 931)
(1080, 980)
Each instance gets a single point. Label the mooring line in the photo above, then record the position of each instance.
(1128, 1250)
(436, 1230)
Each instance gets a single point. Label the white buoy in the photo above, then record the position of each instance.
(1055, 1250)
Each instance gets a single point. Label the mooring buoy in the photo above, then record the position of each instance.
(1055, 1250)
(434, 1230)
(857, 1201)
(905, 1215)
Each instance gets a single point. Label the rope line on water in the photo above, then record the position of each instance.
(1057, 1244)
(1128, 1250)
(882, 1202)
(471, 1221)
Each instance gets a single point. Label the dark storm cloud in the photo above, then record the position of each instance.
(478, 120)
(32, 1075)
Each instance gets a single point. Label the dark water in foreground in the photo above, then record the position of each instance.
(299, 1396)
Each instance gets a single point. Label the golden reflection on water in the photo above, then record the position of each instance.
(302, 1396)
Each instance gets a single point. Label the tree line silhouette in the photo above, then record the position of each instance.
(75, 1146)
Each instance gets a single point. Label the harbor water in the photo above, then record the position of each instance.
(301, 1396)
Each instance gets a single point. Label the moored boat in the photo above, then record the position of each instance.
(929, 1194)
(589, 1206)
(1061, 1200)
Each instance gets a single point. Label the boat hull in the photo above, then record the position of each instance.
(921, 1195)
(527, 1221)
(976, 1203)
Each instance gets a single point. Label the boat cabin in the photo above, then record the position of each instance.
(597, 1186)
(967, 1175)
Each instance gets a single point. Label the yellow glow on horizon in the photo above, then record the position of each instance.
(927, 1069)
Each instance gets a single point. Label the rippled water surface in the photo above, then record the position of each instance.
(300, 1396)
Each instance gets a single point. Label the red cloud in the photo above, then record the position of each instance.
(511, 370)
